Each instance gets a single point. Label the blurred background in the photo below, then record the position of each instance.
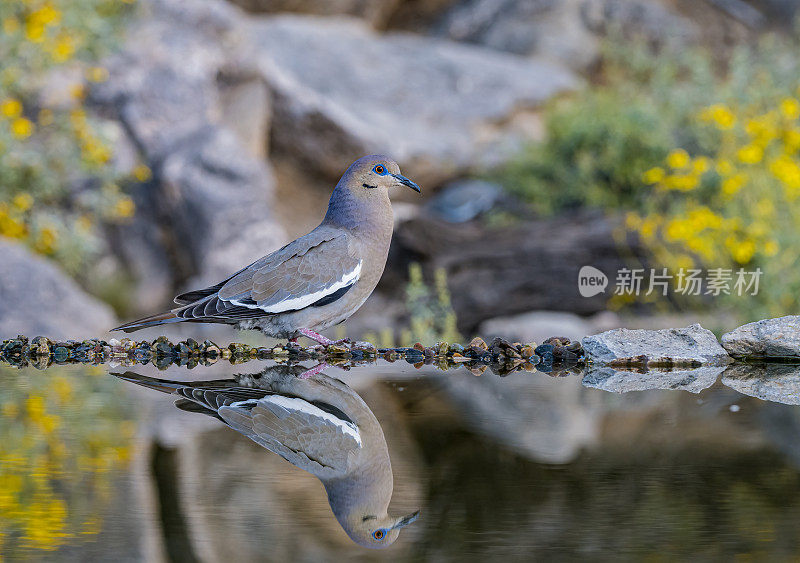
(151, 146)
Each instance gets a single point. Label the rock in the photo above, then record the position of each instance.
(770, 338)
(180, 88)
(38, 299)
(567, 31)
(439, 108)
(464, 200)
(494, 272)
(778, 383)
(376, 12)
(623, 381)
(536, 326)
(692, 344)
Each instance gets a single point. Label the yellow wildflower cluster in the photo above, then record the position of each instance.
(59, 446)
(737, 205)
(43, 149)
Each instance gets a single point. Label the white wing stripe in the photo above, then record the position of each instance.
(297, 404)
(294, 303)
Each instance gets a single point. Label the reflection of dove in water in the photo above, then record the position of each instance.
(318, 424)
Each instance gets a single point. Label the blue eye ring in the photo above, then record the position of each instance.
(380, 169)
(379, 534)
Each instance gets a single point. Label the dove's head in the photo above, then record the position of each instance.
(377, 531)
(362, 194)
(376, 172)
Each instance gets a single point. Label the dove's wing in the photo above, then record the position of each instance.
(313, 270)
(314, 436)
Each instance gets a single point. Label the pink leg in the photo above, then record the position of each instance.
(317, 337)
(313, 371)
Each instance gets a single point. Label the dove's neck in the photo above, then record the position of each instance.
(360, 212)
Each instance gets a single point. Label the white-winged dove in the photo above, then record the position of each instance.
(318, 424)
(316, 281)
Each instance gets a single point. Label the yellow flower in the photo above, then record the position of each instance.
(77, 91)
(10, 25)
(124, 208)
(721, 115)
(21, 128)
(142, 173)
(34, 32)
(733, 184)
(771, 248)
(46, 242)
(84, 223)
(63, 49)
(678, 158)
(750, 154)
(701, 164)
(744, 251)
(653, 176)
(97, 74)
(23, 202)
(724, 167)
(11, 108)
(790, 108)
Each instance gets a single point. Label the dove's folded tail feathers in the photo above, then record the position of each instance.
(153, 320)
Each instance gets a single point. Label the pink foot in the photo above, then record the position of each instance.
(317, 337)
(313, 371)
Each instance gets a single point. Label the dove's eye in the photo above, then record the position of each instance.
(379, 534)
(379, 169)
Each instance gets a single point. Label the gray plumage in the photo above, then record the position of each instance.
(316, 281)
(318, 424)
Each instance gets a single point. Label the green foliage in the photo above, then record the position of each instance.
(432, 318)
(56, 179)
(600, 140)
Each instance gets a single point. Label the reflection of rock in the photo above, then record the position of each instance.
(437, 107)
(779, 383)
(37, 298)
(622, 381)
(547, 420)
(768, 338)
(174, 87)
(536, 326)
(678, 345)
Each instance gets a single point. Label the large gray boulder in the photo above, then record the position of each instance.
(679, 346)
(770, 338)
(199, 118)
(36, 298)
(567, 31)
(439, 108)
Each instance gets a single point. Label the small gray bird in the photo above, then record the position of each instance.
(314, 282)
(318, 424)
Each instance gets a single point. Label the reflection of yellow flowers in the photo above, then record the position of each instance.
(21, 128)
(124, 208)
(11, 108)
(678, 158)
(142, 173)
(23, 202)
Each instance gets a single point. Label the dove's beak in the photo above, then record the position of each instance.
(406, 520)
(406, 182)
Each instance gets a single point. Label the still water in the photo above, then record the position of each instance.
(251, 463)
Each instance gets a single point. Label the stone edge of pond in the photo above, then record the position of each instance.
(768, 340)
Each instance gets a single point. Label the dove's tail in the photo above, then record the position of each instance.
(153, 320)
